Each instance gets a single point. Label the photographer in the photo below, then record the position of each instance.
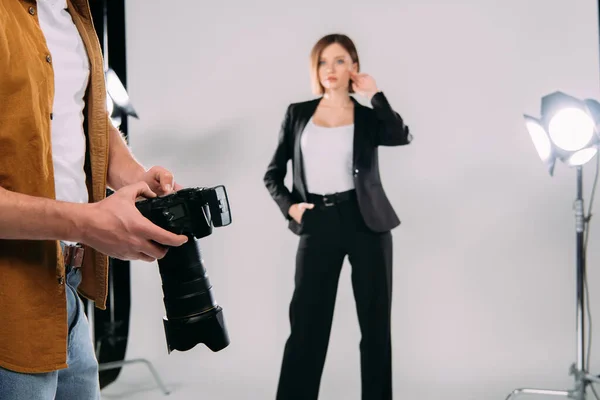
(58, 153)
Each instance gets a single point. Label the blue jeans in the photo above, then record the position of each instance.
(77, 382)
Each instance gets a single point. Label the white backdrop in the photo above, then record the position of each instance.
(484, 279)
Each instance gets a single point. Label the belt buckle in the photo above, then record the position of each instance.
(73, 256)
(327, 202)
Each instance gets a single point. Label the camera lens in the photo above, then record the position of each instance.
(193, 315)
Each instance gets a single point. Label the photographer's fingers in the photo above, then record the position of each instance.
(153, 250)
(162, 236)
(166, 181)
(139, 189)
(144, 257)
(161, 180)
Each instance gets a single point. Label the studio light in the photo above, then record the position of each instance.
(117, 99)
(568, 131)
(118, 103)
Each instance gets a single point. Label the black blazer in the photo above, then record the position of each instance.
(379, 126)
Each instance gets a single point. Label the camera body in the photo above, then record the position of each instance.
(190, 211)
(192, 314)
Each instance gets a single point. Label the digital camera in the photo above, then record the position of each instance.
(192, 313)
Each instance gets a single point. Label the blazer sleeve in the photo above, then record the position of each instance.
(277, 168)
(391, 130)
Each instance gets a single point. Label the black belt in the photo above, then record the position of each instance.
(332, 199)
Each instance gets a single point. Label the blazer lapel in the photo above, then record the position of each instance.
(304, 115)
(358, 131)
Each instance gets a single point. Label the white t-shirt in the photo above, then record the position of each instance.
(327, 156)
(71, 73)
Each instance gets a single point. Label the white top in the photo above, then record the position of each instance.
(71, 72)
(327, 155)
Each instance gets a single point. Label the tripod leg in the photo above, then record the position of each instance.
(118, 364)
(592, 378)
(518, 392)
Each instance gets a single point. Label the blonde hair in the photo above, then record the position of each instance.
(315, 57)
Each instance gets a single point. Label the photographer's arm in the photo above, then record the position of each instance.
(124, 169)
(111, 226)
(35, 218)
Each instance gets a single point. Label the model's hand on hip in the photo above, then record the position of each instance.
(115, 227)
(364, 84)
(296, 210)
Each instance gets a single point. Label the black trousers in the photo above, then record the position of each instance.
(331, 234)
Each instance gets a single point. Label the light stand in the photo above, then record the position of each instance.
(568, 131)
(120, 107)
(119, 364)
(579, 369)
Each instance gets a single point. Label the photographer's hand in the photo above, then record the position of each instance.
(115, 227)
(124, 169)
(160, 181)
